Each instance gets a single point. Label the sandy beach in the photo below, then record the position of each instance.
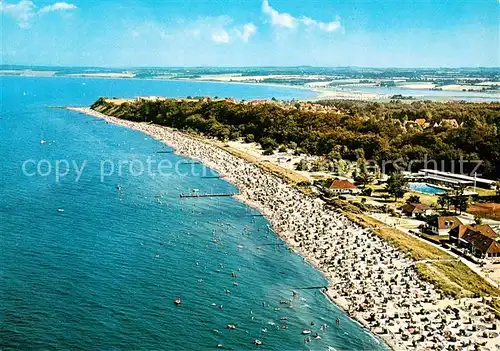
(376, 284)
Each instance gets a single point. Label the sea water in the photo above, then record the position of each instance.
(94, 262)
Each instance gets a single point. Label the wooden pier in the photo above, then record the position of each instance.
(164, 151)
(207, 195)
(212, 177)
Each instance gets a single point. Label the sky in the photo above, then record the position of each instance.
(162, 33)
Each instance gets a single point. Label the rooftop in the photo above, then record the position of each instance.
(448, 222)
(457, 176)
(342, 184)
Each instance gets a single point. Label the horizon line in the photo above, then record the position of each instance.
(246, 67)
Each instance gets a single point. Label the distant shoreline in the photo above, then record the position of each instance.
(187, 80)
(320, 93)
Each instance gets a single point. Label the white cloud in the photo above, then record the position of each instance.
(58, 6)
(22, 12)
(219, 30)
(288, 21)
(249, 29)
(220, 36)
(325, 26)
(223, 32)
(25, 10)
(278, 19)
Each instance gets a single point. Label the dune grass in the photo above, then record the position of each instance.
(418, 250)
(454, 278)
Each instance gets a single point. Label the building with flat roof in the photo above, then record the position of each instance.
(454, 179)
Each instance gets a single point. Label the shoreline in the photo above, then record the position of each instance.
(275, 85)
(320, 93)
(345, 254)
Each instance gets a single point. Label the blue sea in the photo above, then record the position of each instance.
(96, 264)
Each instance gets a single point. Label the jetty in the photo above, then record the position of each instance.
(212, 177)
(195, 194)
(164, 151)
(190, 163)
(312, 288)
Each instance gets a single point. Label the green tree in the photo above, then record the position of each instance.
(363, 177)
(367, 191)
(459, 200)
(268, 143)
(413, 199)
(249, 138)
(397, 185)
(268, 152)
(444, 200)
(302, 165)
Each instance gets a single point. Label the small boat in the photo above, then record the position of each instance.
(257, 342)
(42, 141)
(178, 301)
(284, 318)
(306, 332)
(231, 326)
(60, 210)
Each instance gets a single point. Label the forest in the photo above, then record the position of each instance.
(348, 130)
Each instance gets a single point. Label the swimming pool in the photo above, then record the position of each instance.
(426, 188)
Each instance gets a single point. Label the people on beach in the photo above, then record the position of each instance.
(372, 281)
